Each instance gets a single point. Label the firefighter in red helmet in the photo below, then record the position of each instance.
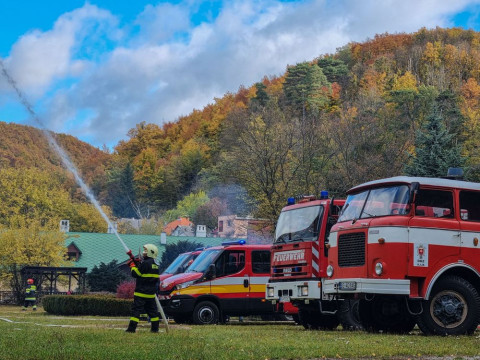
(30, 295)
(147, 277)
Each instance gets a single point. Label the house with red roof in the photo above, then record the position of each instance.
(179, 227)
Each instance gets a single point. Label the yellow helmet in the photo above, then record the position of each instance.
(150, 250)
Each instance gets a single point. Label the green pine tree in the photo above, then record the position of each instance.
(435, 149)
(305, 86)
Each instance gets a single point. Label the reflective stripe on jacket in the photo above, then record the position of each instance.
(30, 292)
(147, 275)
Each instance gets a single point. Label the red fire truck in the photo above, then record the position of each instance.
(299, 261)
(180, 264)
(227, 280)
(407, 247)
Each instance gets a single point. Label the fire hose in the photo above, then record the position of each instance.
(159, 306)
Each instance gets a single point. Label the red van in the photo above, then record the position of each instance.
(227, 280)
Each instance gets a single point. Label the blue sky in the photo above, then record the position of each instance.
(96, 69)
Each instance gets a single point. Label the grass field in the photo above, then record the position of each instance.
(38, 335)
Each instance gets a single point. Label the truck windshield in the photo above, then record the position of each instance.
(201, 263)
(300, 224)
(392, 200)
(177, 265)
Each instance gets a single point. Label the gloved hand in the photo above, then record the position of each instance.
(131, 263)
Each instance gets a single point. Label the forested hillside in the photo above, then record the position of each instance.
(395, 104)
(362, 113)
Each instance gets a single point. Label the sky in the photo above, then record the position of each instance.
(96, 69)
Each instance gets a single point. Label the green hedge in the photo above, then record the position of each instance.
(87, 305)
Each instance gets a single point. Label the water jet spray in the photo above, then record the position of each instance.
(71, 167)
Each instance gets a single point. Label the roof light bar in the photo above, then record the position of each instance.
(234, 242)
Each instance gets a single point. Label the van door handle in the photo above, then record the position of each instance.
(245, 283)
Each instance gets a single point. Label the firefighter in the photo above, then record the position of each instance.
(30, 298)
(147, 275)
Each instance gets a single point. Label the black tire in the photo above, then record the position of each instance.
(452, 309)
(181, 319)
(205, 313)
(348, 314)
(314, 320)
(386, 314)
(296, 319)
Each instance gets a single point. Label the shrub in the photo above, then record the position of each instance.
(125, 290)
(105, 277)
(105, 305)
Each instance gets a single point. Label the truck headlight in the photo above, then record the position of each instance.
(270, 292)
(378, 269)
(329, 270)
(184, 285)
(304, 290)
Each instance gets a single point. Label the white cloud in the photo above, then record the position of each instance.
(40, 58)
(169, 67)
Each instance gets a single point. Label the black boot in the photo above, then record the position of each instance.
(132, 326)
(155, 325)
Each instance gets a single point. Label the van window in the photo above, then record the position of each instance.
(434, 203)
(230, 262)
(261, 262)
(470, 205)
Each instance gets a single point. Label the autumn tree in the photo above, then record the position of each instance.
(208, 213)
(30, 194)
(260, 147)
(36, 243)
(187, 207)
(84, 217)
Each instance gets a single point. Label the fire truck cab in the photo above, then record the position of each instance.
(299, 259)
(227, 280)
(407, 247)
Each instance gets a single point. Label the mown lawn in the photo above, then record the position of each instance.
(38, 335)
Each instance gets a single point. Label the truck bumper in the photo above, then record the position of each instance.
(293, 290)
(182, 304)
(367, 286)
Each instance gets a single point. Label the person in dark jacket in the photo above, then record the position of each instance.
(146, 287)
(30, 295)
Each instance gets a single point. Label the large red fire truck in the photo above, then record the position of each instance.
(299, 261)
(407, 247)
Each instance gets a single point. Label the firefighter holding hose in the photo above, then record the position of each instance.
(147, 274)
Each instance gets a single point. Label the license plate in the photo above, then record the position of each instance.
(347, 285)
(284, 298)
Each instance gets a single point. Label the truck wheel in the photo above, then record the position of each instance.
(313, 320)
(386, 314)
(205, 313)
(453, 308)
(181, 319)
(348, 314)
(304, 319)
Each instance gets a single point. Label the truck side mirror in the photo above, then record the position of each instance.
(210, 272)
(413, 191)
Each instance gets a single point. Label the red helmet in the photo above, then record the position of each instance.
(30, 281)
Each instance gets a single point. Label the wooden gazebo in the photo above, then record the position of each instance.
(46, 277)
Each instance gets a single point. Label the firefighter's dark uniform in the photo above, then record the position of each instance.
(30, 297)
(147, 275)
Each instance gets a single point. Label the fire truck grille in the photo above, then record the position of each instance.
(351, 249)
